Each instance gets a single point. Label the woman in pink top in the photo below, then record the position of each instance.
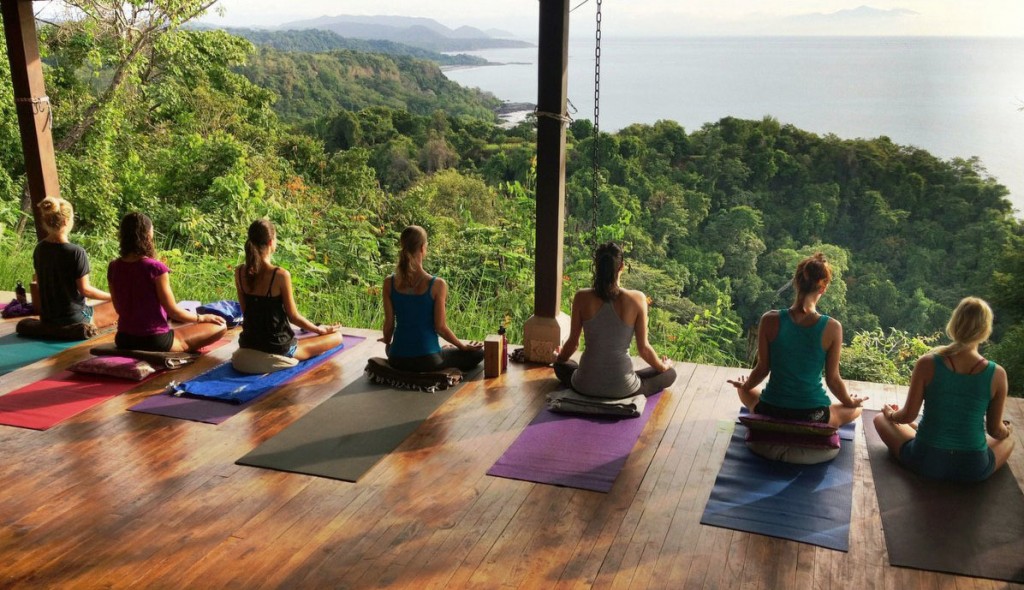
(140, 289)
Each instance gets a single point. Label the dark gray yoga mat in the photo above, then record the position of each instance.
(972, 530)
(349, 433)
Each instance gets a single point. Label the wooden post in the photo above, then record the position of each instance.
(548, 326)
(33, 106)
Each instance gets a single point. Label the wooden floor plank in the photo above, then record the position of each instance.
(115, 499)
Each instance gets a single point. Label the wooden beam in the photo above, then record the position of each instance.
(34, 117)
(552, 82)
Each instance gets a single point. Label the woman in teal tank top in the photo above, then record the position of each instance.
(414, 314)
(963, 396)
(795, 346)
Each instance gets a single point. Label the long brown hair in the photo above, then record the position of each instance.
(812, 274)
(261, 233)
(135, 235)
(55, 213)
(607, 262)
(411, 241)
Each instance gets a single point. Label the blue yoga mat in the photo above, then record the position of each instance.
(805, 503)
(17, 352)
(224, 383)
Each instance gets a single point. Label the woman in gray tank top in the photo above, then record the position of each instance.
(610, 317)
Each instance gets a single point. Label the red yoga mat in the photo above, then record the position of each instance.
(45, 403)
(48, 402)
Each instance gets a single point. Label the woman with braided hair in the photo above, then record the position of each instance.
(795, 346)
(610, 317)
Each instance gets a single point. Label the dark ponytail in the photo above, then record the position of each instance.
(135, 235)
(411, 241)
(607, 262)
(812, 274)
(261, 233)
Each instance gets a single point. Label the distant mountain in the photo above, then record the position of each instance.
(863, 20)
(419, 32)
(500, 34)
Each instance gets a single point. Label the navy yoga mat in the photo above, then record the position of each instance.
(349, 433)
(805, 503)
(221, 406)
(972, 530)
(585, 452)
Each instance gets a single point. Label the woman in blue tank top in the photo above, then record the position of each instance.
(963, 396)
(795, 346)
(414, 314)
(610, 317)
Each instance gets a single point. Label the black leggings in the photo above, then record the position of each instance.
(464, 360)
(651, 381)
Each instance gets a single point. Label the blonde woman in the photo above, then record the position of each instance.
(963, 395)
(62, 273)
(414, 314)
(795, 346)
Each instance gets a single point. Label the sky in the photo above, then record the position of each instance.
(668, 17)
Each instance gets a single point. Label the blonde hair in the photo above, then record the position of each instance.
(970, 325)
(412, 240)
(56, 214)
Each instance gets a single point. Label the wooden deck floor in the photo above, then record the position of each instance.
(117, 499)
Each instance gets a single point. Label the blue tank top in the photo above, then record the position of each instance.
(414, 323)
(797, 362)
(954, 409)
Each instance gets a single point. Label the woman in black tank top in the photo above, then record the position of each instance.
(268, 305)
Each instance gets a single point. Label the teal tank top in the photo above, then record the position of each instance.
(954, 409)
(414, 324)
(797, 362)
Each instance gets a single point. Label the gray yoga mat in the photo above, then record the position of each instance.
(972, 530)
(349, 433)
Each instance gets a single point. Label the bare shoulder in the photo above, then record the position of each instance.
(833, 325)
(770, 318)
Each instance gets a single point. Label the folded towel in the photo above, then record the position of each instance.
(569, 402)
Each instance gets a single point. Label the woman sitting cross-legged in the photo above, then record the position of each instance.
(963, 396)
(62, 273)
(414, 314)
(268, 304)
(795, 345)
(140, 287)
(610, 317)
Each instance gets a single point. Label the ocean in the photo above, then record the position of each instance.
(955, 97)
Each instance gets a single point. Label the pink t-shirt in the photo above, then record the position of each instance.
(133, 285)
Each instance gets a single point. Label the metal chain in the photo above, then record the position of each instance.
(597, 115)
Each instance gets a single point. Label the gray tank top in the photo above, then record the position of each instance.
(606, 370)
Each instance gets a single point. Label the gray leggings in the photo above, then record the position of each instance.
(651, 381)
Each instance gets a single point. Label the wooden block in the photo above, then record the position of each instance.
(492, 356)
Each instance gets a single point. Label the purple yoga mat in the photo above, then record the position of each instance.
(584, 452)
(207, 410)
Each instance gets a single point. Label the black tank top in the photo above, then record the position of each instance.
(265, 325)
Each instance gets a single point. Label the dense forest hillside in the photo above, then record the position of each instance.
(341, 149)
(318, 41)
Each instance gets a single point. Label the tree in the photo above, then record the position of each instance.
(124, 33)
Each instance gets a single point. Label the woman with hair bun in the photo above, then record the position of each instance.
(795, 346)
(963, 395)
(140, 288)
(268, 304)
(414, 314)
(610, 317)
(62, 273)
